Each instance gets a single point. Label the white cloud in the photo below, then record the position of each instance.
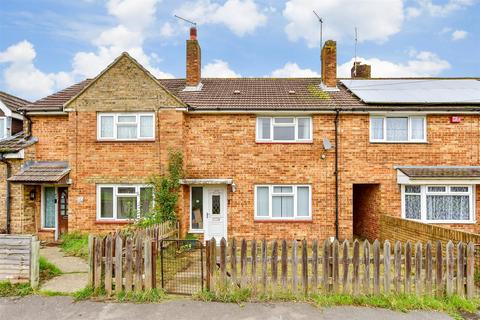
(23, 78)
(240, 16)
(292, 70)
(375, 20)
(218, 69)
(421, 64)
(166, 30)
(459, 34)
(134, 17)
(438, 10)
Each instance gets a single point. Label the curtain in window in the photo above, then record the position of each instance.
(377, 128)
(397, 129)
(282, 206)
(106, 127)
(264, 128)
(303, 199)
(146, 126)
(284, 133)
(303, 128)
(262, 201)
(127, 131)
(448, 207)
(412, 206)
(417, 128)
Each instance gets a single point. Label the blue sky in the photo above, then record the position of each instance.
(46, 45)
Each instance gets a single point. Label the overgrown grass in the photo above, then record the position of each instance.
(75, 244)
(151, 296)
(234, 295)
(8, 289)
(452, 305)
(48, 270)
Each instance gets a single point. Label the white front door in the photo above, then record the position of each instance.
(216, 213)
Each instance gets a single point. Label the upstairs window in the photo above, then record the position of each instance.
(284, 129)
(3, 128)
(398, 129)
(126, 126)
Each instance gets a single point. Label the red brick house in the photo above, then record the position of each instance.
(265, 158)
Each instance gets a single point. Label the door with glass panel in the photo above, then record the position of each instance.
(62, 210)
(216, 213)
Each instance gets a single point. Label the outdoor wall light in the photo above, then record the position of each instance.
(234, 187)
(32, 194)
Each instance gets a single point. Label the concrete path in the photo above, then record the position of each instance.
(60, 308)
(75, 271)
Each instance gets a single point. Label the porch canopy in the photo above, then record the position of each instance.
(438, 174)
(44, 172)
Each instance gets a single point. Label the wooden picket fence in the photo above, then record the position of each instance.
(333, 267)
(127, 261)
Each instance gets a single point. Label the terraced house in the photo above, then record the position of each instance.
(264, 157)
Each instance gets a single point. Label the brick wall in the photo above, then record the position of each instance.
(52, 133)
(393, 229)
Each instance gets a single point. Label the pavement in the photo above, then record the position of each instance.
(74, 269)
(60, 308)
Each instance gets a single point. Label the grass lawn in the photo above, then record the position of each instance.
(75, 244)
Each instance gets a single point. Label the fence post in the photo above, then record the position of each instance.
(254, 265)
(294, 266)
(356, 267)
(376, 267)
(305, 266)
(91, 259)
(108, 265)
(315, 266)
(439, 269)
(233, 260)
(284, 264)
(418, 268)
(428, 268)
(460, 269)
(450, 266)
(366, 262)
(274, 264)
(34, 262)
(118, 263)
(98, 262)
(408, 267)
(470, 270)
(326, 266)
(243, 262)
(397, 260)
(345, 262)
(386, 269)
(138, 264)
(208, 262)
(264, 265)
(128, 264)
(147, 252)
(223, 269)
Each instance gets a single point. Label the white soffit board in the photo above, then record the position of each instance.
(434, 91)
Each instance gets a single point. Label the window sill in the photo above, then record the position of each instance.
(114, 221)
(47, 229)
(284, 142)
(196, 231)
(399, 142)
(122, 141)
(283, 221)
(444, 221)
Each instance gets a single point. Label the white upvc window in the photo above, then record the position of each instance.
(398, 128)
(284, 129)
(123, 202)
(126, 126)
(3, 128)
(283, 202)
(439, 203)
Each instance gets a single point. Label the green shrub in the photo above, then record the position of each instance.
(8, 289)
(151, 296)
(75, 244)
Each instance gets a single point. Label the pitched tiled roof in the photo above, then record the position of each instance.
(16, 143)
(42, 172)
(441, 172)
(234, 94)
(54, 102)
(12, 102)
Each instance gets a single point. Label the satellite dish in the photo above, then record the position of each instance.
(326, 144)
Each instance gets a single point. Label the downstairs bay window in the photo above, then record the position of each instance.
(123, 202)
(439, 203)
(283, 202)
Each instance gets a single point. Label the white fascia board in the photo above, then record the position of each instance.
(402, 178)
(205, 181)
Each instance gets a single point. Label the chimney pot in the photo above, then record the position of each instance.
(361, 71)
(193, 33)
(329, 65)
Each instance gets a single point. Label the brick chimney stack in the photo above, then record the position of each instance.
(194, 61)
(363, 71)
(329, 65)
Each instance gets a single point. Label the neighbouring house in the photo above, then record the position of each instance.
(264, 157)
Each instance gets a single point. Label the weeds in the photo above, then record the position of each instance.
(8, 289)
(48, 270)
(75, 244)
(151, 296)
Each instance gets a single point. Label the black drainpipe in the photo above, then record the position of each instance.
(7, 195)
(337, 113)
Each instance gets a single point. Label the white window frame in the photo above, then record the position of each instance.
(273, 124)
(295, 204)
(423, 203)
(42, 208)
(116, 195)
(5, 128)
(409, 129)
(115, 116)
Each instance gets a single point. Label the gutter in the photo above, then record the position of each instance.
(337, 141)
(7, 194)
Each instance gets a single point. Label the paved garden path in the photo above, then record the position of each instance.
(63, 308)
(75, 271)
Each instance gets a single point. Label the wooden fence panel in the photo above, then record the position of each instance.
(294, 266)
(356, 268)
(397, 260)
(470, 270)
(460, 269)
(284, 264)
(386, 269)
(439, 269)
(418, 268)
(243, 262)
(233, 260)
(254, 265)
(138, 263)
(428, 268)
(346, 266)
(315, 266)
(366, 265)
(148, 263)
(376, 267)
(108, 265)
(450, 267)
(305, 266)
(274, 263)
(408, 267)
(118, 264)
(326, 266)
(128, 264)
(264, 265)
(223, 261)
(98, 263)
(335, 266)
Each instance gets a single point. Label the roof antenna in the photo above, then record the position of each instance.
(186, 20)
(320, 20)
(355, 60)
